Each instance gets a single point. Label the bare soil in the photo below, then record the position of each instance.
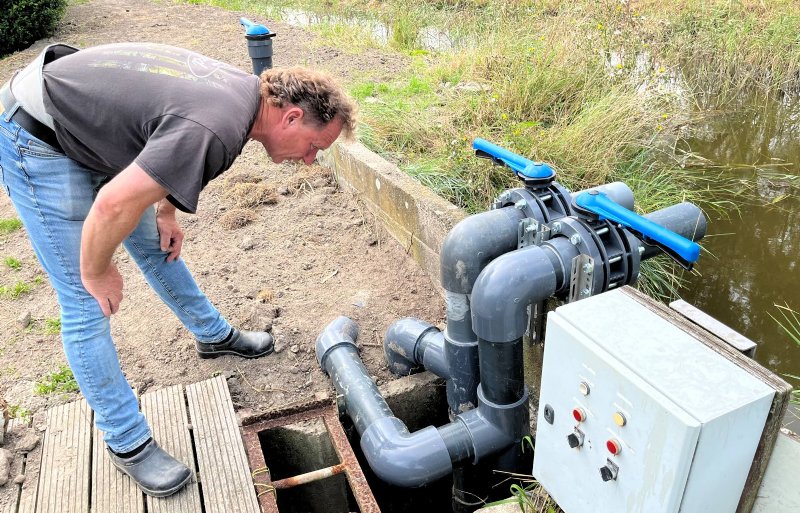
(309, 253)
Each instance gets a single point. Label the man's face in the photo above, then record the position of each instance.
(299, 141)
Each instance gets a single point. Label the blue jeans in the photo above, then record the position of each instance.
(52, 195)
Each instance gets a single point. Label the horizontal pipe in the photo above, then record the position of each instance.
(685, 219)
(618, 192)
(309, 477)
(410, 343)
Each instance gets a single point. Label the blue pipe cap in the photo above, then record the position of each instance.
(253, 29)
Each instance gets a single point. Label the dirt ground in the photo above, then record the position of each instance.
(314, 254)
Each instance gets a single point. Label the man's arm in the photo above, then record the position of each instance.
(113, 216)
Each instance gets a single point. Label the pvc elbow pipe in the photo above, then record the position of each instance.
(410, 343)
(404, 459)
(473, 243)
(337, 354)
(505, 288)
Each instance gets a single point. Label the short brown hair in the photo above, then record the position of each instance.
(317, 93)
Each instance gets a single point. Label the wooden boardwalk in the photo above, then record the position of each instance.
(71, 472)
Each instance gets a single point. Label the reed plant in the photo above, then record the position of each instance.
(789, 321)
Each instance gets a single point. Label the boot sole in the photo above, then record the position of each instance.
(156, 493)
(215, 354)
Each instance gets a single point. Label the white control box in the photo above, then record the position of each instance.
(636, 415)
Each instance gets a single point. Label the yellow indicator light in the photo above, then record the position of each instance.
(619, 419)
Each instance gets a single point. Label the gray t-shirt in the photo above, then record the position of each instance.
(181, 116)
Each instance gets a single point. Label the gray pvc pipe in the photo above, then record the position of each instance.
(617, 192)
(504, 290)
(395, 455)
(410, 343)
(685, 219)
(473, 243)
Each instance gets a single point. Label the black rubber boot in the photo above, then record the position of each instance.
(247, 344)
(155, 472)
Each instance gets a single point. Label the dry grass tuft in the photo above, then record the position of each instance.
(252, 194)
(265, 295)
(244, 177)
(237, 218)
(307, 178)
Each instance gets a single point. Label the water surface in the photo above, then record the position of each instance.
(753, 254)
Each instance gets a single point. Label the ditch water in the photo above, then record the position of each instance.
(753, 257)
(428, 38)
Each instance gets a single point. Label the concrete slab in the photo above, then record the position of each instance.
(779, 490)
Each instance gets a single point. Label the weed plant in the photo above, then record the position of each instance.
(15, 291)
(9, 225)
(15, 411)
(60, 381)
(13, 263)
(52, 326)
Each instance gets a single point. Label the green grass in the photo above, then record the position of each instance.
(9, 225)
(15, 291)
(16, 411)
(60, 381)
(13, 263)
(526, 492)
(52, 326)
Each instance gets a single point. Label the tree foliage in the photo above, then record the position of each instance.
(22, 22)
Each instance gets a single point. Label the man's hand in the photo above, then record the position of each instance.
(169, 230)
(106, 288)
(114, 214)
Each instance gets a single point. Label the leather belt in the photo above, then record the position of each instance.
(32, 125)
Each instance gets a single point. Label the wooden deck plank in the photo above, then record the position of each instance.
(165, 409)
(222, 461)
(64, 478)
(112, 490)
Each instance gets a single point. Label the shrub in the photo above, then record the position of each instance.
(25, 21)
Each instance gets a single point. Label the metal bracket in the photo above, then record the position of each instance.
(532, 233)
(581, 279)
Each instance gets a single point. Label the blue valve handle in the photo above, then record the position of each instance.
(682, 249)
(253, 29)
(519, 164)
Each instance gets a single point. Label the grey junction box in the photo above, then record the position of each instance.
(636, 415)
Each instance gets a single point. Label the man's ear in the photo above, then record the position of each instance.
(293, 115)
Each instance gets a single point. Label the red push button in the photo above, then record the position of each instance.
(579, 414)
(613, 447)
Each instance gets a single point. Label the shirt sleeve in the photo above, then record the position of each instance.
(182, 156)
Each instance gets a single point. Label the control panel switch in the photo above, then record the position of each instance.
(609, 471)
(575, 439)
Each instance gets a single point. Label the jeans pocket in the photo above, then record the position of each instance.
(38, 148)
